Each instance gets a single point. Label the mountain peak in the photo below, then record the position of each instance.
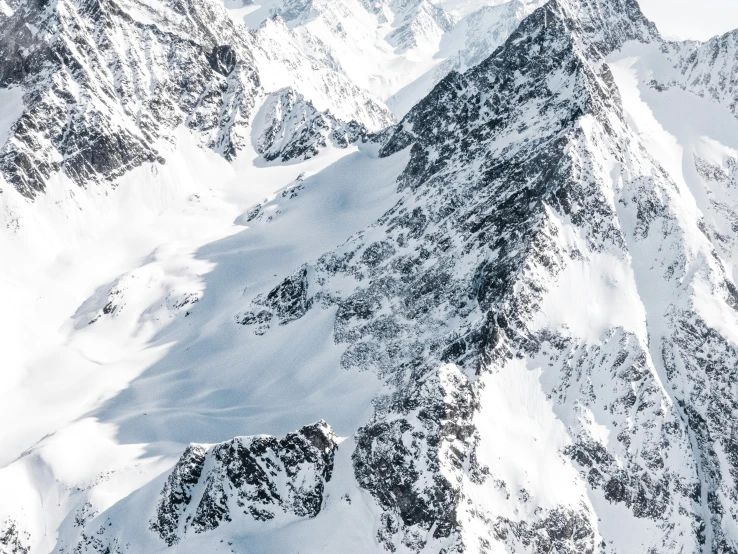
(602, 26)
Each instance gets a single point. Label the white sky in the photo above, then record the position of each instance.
(697, 19)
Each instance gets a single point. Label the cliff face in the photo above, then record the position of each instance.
(104, 82)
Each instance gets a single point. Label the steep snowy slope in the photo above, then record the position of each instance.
(507, 323)
(710, 70)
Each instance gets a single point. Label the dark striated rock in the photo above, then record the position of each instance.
(290, 128)
(289, 299)
(177, 493)
(562, 530)
(404, 455)
(257, 477)
(222, 59)
(87, 113)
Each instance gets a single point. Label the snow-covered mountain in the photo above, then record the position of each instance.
(105, 83)
(399, 49)
(247, 311)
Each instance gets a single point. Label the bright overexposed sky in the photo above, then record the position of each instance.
(696, 19)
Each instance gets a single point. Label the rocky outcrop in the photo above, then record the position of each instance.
(289, 128)
(286, 302)
(565, 531)
(410, 457)
(257, 478)
(13, 540)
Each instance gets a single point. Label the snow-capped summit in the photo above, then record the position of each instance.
(289, 128)
(710, 69)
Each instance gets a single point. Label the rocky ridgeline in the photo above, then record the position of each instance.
(247, 479)
(506, 158)
(288, 127)
(710, 69)
(485, 30)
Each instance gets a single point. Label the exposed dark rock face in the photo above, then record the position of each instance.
(405, 455)
(88, 112)
(290, 128)
(565, 531)
(287, 302)
(177, 493)
(252, 477)
(710, 69)
(290, 299)
(222, 59)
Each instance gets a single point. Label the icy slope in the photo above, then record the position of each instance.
(306, 65)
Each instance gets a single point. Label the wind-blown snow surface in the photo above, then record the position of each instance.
(509, 322)
(158, 298)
